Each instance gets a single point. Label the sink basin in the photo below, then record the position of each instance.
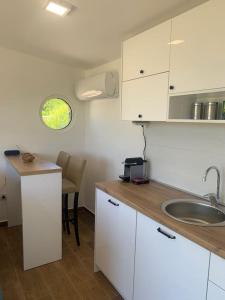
(195, 212)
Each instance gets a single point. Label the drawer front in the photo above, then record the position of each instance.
(217, 270)
(215, 293)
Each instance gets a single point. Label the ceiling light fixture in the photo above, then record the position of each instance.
(58, 7)
(176, 42)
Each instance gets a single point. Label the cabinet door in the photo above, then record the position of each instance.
(198, 63)
(115, 242)
(215, 293)
(147, 53)
(145, 99)
(168, 266)
(217, 270)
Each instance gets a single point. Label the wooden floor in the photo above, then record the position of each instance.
(68, 279)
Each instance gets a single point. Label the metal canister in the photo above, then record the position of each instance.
(197, 110)
(210, 110)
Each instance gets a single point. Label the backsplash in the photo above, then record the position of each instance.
(180, 153)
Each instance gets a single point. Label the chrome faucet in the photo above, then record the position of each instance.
(212, 197)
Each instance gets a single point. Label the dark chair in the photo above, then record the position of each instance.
(71, 184)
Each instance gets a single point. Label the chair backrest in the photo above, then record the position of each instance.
(75, 170)
(62, 161)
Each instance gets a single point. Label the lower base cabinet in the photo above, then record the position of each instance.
(216, 287)
(115, 229)
(215, 293)
(145, 260)
(167, 265)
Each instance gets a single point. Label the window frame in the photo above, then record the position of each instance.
(68, 102)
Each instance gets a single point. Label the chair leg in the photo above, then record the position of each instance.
(63, 213)
(67, 221)
(75, 217)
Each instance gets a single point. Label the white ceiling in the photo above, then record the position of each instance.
(89, 36)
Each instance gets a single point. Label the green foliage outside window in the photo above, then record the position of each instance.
(56, 113)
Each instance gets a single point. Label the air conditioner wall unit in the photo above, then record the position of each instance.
(104, 85)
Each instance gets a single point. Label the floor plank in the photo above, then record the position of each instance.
(72, 278)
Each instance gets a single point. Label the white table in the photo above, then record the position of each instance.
(34, 199)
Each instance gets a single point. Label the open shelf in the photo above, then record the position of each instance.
(196, 121)
(180, 107)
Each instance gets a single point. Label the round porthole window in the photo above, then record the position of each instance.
(56, 113)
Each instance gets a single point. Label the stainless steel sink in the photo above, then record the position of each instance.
(194, 211)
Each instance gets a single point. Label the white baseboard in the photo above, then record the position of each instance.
(87, 208)
(3, 222)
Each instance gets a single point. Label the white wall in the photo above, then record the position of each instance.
(25, 82)
(178, 153)
(108, 140)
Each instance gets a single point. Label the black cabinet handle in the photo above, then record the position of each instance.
(142, 71)
(113, 203)
(170, 236)
(172, 87)
(139, 116)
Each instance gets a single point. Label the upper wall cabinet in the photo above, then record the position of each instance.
(147, 53)
(145, 99)
(198, 49)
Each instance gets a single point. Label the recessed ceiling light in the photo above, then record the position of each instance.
(176, 42)
(58, 7)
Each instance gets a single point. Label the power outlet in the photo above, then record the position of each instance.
(2, 197)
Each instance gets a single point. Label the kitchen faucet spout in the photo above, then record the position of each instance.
(214, 199)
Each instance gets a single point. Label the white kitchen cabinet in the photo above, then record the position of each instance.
(145, 99)
(198, 61)
(115, 242)
(214, 292)
(217, 270)
(167, 265)
(147, 53)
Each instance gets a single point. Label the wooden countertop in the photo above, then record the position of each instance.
(147, 199)
(36, 167)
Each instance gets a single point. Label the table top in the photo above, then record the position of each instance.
(37, 166)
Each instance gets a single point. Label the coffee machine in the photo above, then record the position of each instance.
(134, 170)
